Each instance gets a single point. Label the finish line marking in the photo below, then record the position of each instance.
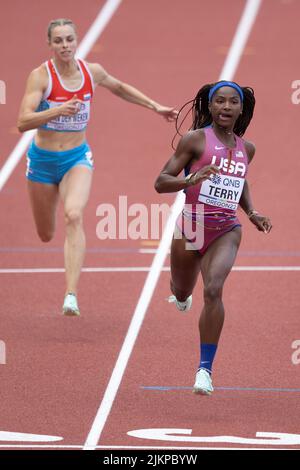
(138, 269)
(115, 447)
(163, 388)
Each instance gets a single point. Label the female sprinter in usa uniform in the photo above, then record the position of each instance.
(207, 236)
(57, 103)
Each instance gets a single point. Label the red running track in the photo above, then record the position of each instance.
(58, 368)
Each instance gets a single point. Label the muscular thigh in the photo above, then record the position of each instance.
(219, 258)
(75, 187)
(43, 199)
(185, 264)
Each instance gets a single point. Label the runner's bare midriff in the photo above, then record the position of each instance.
(67, 140)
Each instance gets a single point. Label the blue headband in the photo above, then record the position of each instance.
(225, 83)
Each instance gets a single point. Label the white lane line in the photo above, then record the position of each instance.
(133, 330)
(108, 447)
(21, 437)
(148, 251)
(137, 269)
(240, 39)
(266, 268)
(15, 157)
(247, 20)
(84, 48)
(85, 270)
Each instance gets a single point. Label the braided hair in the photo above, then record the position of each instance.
(202, 117)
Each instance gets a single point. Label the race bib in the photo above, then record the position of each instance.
(222, 191)
(78, 122)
